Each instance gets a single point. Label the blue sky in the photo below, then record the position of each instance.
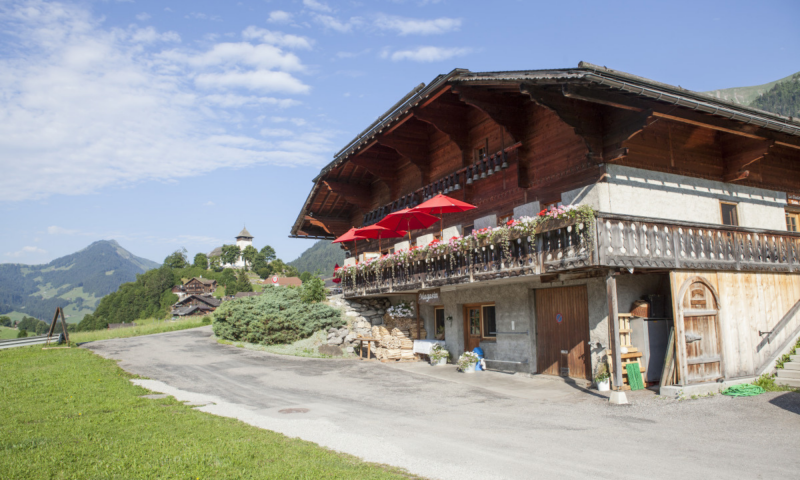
(171, 124)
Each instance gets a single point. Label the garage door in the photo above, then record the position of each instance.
(562, 332)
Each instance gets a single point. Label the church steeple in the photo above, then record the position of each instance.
(244, 234)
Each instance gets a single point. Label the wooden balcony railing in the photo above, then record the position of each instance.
(614, 241)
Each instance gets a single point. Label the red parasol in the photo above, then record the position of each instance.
(377, 231)
(350, 236)
(408, 220)
(443, 204)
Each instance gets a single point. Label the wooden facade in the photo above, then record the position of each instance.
(507, 140)
(199, 286)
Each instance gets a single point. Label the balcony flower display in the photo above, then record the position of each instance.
(491, 236)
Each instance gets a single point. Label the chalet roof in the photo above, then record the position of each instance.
(244, 234)
(182, 311)
(217, 252)
(585, 74)
(208, 300)
(206, 281)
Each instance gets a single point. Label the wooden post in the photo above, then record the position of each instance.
(418, 320)
(613, 317)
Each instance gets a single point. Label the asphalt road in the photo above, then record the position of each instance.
(439, 424)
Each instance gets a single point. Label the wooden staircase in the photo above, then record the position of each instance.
(789, 375)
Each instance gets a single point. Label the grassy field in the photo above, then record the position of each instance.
(71, 414)
(6, 333)
(143, 327)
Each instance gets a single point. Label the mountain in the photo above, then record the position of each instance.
(323, 255)
(747, 95)
(75, 282)
(783, 98)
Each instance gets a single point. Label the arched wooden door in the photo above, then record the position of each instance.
(701, 342)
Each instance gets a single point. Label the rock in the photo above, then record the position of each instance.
(350, 350)
(368, 313)
(352, 314)
(381, 311)
(335, 341)
(343, 331)
(331, 350)
(350, 337)
(333, 330)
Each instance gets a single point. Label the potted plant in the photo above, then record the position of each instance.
(467, 362)
(439, 355)
(602, 378)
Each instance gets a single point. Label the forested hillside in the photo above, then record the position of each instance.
(783, 98)
(323, 255)
(75, 282)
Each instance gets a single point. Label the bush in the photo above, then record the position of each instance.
(278, 316)
(22, 333)
(313, 290)
(206, 320)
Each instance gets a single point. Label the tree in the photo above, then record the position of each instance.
(243, 283)
(277, 266)
(230, 254)
(201, 260)
(259, 263)
(22, 333)
(305, 276)
(177, 259)
(5, 321)
(313, 290)
(249, 255)
(290, 271)
(269, 253)
(215, 263)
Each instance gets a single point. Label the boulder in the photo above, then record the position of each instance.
(333, 330)
(352, 314)
(368, 313)
(343, 331)
(330, 350)
(349, 350)
(350, 337)
(335, 341)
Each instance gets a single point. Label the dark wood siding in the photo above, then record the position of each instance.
(570, 335)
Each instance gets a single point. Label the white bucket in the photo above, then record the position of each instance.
(604, 386)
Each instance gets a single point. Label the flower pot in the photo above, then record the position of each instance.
(604, 386)
(470, 368)
(440, 362)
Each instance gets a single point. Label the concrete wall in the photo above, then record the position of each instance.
(633, 191)
(515, 302)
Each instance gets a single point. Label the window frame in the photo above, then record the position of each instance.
(436, 326)
(795, 216)
(480, 307)
(503, 219)
(735, 212)
(471, 228)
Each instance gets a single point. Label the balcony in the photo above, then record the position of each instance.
(611, 241)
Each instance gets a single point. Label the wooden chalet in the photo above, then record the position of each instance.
(696, 205)
(199, 286)
(195, 305)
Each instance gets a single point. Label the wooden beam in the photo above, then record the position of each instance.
(450, 120)
(740, 155)
(415, 151)
(381, 162)
(330, 224)
(613, 318)
(504, 111)
(355, 194)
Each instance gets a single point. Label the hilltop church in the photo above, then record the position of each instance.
(242, 241)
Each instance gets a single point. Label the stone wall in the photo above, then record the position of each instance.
(361, 315)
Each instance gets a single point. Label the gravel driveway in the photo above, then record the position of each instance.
(442, 425)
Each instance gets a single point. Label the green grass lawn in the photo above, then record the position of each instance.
(70, 414)
(143, 327)
(6, 333)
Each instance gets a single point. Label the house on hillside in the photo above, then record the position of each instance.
(687, 222)
(283, 281)
(195, 305)
(199, 286)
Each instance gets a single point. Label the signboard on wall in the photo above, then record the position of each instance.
(430, 297)
(793, 199)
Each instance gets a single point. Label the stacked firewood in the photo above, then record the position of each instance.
(395, 344)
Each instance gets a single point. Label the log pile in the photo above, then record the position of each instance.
(396, 339)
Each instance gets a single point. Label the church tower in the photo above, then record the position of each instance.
(244, 239)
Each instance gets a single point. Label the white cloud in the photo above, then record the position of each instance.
(54, 230)
(230, 100)
(352, 54)
(318, 6)
(297, 121)
(277, 38)
(263, 80)
(276, 132)
(209, 204)
(143, 16)
(26, 251)
(427, 54)
(332, 23)
(84, 107)
(414, 26)
(279, 16)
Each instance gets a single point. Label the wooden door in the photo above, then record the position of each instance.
(701, 335)
(562, 332)
(472, 328)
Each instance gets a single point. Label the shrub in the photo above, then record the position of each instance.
(22, 333)
(313, 290)
(277, 316)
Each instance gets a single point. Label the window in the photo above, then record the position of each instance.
(468, 229)
(503, 219)
(793, 221)
(547, 206)
(482, 321)
(729, 214)
(438, 323)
